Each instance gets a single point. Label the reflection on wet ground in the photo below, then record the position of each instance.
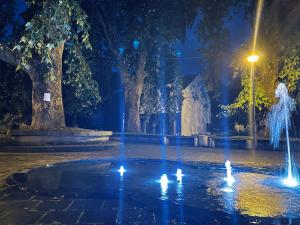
(141, 196)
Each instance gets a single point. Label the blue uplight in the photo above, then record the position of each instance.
(164, 186)
(179, 175)
(121, 171)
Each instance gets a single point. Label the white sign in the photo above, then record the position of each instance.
(47, 97)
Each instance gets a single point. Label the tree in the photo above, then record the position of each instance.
(132, 30)
(14, 90)
(15, 94)
(162, 86)
(56, 26)
(279, 47)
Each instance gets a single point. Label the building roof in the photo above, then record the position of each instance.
(187, 79)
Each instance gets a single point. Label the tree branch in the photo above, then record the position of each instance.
(14, 58)
(106, 34)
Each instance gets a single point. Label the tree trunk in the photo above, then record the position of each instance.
(133, 89)
(45, 115)
(49, 114)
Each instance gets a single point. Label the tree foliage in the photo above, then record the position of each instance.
(279, 48)
(52, 24)
(15, 94)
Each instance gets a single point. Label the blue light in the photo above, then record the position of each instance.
(121, 171)
(179, 175)
(121, 51)
(230, 179)
(164, 186)
(164, 180)
(136, 44)
(178, 53)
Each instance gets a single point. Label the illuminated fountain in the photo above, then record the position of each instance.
(164, 186)
(279, 119)
(179, 175)
(230, 179)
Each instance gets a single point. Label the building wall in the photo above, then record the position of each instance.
(196, 109)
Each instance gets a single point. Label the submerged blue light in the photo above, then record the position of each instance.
(164, 186)
(121, 171)
(179, 175)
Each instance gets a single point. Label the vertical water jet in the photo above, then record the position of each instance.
(279, 119)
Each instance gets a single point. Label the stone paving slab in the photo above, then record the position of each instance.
(70, 217)
(53, 205)
(87, 204)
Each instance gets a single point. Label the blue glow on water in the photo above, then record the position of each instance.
(120, 214)
(164, 181)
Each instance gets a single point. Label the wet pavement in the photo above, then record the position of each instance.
(91, 191)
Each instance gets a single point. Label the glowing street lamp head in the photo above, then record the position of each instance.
(253, 58)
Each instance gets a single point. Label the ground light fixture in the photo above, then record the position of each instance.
(179, 175)
(121, 171)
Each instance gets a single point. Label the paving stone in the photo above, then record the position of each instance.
(62, 217)
(86, 204)
(104, 216)
(13, 194)
(56, 205)
(17, 205)
(110, 204)
(20, 217)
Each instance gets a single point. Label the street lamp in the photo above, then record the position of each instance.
(251, 109)
(253, 58)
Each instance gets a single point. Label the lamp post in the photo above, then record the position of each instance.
(251, 109)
